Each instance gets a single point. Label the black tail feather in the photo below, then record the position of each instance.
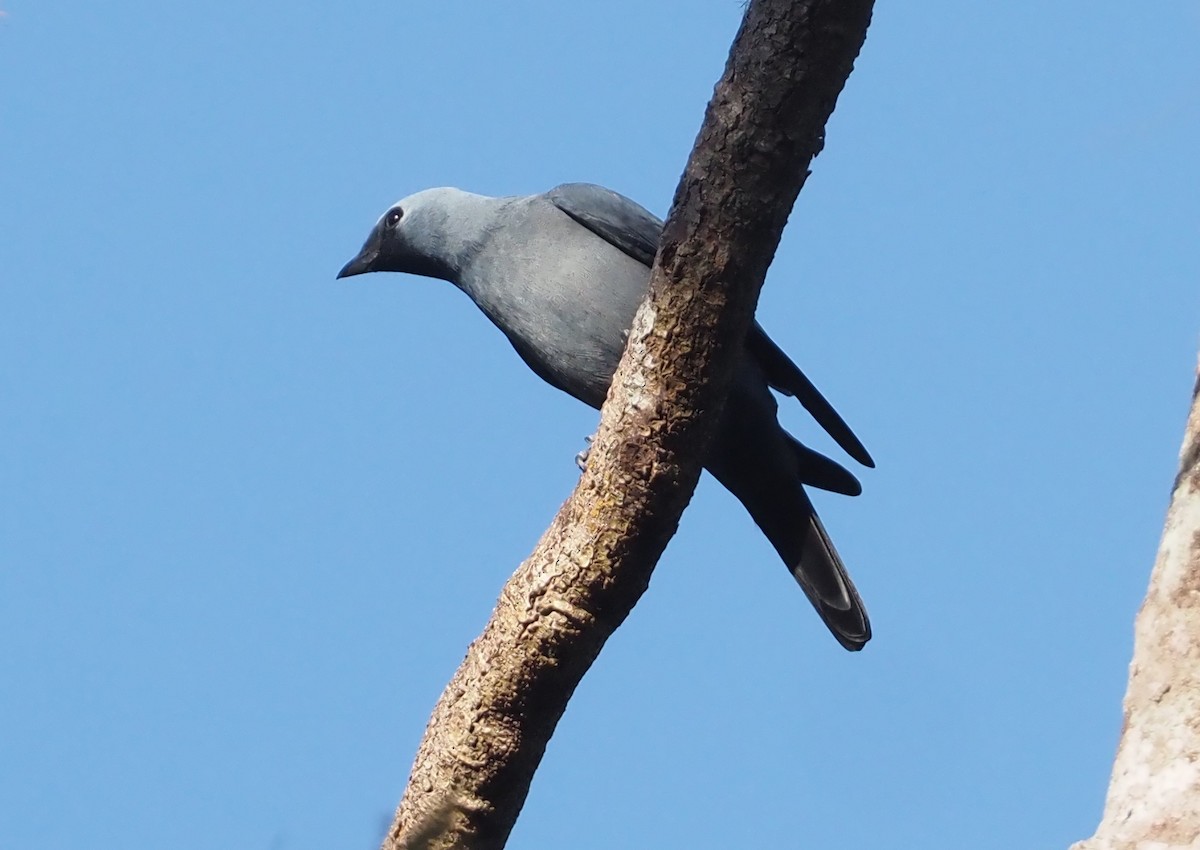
(823, 578)
(819, 471)
(785, 376)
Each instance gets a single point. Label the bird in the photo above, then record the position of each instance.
(561, 275)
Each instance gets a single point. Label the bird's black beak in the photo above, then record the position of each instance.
(360, 264)
(365, 261)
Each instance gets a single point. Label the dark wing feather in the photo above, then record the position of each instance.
(630, 227)
(786, 377)
(617, 220)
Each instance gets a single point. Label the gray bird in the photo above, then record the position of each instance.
(561, 275)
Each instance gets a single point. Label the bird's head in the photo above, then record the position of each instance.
(412, 236)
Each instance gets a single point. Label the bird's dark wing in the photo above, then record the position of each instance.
(786, 377)
(630, 227)
(623, 223)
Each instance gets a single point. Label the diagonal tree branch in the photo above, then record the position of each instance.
(765, 123)
(1154, 795)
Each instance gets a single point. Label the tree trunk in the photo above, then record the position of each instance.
(764, 124)
(1154, 796)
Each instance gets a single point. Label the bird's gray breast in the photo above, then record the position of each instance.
(563, 296)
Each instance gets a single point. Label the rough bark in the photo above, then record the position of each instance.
(1154, 795)
(764, 124)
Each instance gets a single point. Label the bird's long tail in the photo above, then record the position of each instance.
(783, 511)
(786, 515)
(823, 578)
(767, 470)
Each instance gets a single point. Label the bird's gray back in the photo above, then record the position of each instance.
(562, 295)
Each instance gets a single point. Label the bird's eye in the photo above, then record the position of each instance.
(393, 217)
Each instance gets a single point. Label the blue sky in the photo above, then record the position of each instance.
(251, 516)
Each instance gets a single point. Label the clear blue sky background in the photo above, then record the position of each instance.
(251, 516)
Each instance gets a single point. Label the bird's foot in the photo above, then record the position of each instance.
(582, 458)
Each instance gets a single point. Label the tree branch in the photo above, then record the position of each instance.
(1154, 795)
(766, 120)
